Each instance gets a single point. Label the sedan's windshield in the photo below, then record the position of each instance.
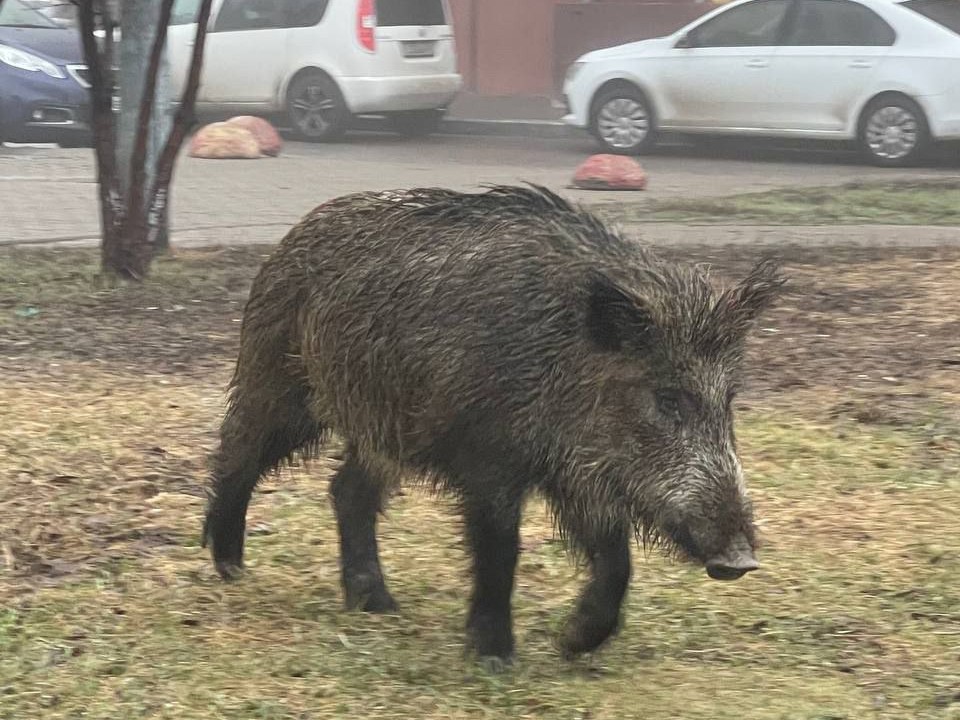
(14, 13)
(944, 12)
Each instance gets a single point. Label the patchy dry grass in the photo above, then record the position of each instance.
(935, 202)
(109, 609)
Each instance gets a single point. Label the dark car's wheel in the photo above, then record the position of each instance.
(893, 131)
(415, 123)
(623, 121)
(316, 108)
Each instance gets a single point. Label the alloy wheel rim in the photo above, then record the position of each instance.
(892, 132)
(623, 123)
(312, 109)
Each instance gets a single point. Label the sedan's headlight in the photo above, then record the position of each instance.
(29, 62)
(573, 70)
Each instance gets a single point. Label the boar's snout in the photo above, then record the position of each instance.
(734, 563)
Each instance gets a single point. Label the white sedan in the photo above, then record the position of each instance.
(885, 73)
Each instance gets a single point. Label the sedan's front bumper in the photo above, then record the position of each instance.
(576, 114)
(37, 108)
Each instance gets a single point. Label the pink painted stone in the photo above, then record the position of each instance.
(267, 136)
(610, 172)
(220, 141)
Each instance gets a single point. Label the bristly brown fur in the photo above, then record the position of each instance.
(496, 343)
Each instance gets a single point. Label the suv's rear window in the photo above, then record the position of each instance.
(944, 12)
(391, 13)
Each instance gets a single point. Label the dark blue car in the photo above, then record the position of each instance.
(44, 91)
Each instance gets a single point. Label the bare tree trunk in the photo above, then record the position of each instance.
(94, 15)
(138, 24)
(132, 211)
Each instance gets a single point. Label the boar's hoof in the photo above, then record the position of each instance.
(586, 634)
(381, 602)
(367, 593)
(229, 570)
(490, 638)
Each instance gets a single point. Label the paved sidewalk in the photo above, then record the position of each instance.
(49, 195)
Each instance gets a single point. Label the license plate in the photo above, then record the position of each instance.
(418, 48)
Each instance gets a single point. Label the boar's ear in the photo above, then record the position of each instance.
(748, 299)
(616, 317)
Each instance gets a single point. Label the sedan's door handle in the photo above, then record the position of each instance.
(757, 63)
(861, 64)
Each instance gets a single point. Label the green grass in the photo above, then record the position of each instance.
(903, 203)
(854, 614)
(110, 609)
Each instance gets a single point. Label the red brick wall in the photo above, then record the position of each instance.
(505, 47)
(523, 47)
(582, 27)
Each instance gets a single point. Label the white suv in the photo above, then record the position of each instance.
(322, 61)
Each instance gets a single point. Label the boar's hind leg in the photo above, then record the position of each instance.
(260, 431)
(493, 532)
(597, 616)
(357, 500)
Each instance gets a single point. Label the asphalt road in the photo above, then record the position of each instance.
(50, 193)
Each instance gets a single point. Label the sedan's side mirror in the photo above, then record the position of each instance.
(684, 42)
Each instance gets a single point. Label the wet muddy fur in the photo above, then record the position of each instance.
(493, 345)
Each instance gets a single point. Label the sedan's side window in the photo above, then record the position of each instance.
(250, 15)
(756, 24)
(838, 22)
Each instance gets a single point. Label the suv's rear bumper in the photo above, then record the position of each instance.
(392, 94)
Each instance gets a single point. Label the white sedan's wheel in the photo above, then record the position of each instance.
(623, 121)
(893, 131)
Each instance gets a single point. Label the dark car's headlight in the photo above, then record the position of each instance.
(28, 61)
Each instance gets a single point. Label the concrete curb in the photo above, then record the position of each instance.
(549, 129)
(654, 233)
(509, 128)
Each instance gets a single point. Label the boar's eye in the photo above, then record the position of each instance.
(670, 403)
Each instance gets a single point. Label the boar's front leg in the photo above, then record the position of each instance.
(358, 497)
(493, 532)
(597, 616)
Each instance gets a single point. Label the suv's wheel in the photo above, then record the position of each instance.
(893, 131)
(316, 108)
(415, 123)
(623, 121)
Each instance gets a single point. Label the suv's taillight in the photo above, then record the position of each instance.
(366, 25)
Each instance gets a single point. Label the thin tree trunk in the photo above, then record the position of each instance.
(94, 15)
(138, 22)
(163, 122)
(184, 119)
(133, 195)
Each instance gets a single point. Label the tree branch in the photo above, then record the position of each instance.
(184, 117)
(100, 65)
(138, 158)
